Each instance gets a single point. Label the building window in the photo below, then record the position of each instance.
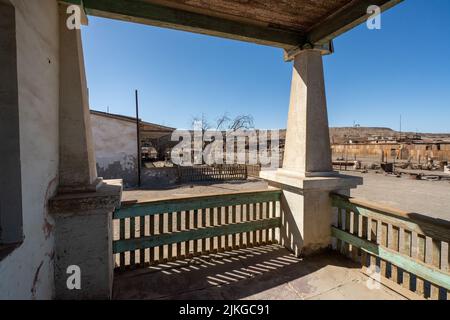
(10, 177)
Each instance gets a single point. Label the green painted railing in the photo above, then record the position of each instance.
(409, 252)
(169, 229)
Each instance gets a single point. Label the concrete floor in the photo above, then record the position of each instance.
(264, 273)
(430, 198)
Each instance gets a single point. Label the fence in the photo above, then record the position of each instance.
(253, 170)
(166, 230)
(212, 173)
(410, 251)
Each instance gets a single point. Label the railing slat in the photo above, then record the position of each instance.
(132, 236)
(233, 220)
(152, 232)
(227, 221)
(274, 214)
(122, 237)
(437, 229)
(247, 218)
(187, 242)
(219, 223)
(420, 269)
(203, 225)
(141, 234)
(160, 232)
(196, 251)
(179, 215)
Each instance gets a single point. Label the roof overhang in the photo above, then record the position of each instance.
(287, 25)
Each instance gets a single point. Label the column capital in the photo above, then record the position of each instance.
(325, 49)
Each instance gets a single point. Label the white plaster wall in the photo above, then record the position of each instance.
(27, 273)
(115, 148)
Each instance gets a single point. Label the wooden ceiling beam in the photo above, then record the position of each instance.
(163, 16)
(345, 19)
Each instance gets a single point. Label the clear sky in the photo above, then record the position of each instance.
(373, 77)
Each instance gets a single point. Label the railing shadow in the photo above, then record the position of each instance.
(243, 273)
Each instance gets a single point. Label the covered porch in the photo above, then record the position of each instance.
(214, 244)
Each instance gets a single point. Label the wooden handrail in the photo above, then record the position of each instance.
(415, 246)
(195, 202)
(437, 228)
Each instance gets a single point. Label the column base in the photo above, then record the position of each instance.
(306, 207)
(324, 181)
(93, 187)
(83, 238)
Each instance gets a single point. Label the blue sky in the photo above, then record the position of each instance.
(373, 77)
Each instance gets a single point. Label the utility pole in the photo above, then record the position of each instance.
(138, 139)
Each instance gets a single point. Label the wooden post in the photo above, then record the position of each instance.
(138, 137)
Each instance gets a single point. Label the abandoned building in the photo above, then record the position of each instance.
(58, 213)
(116, 146)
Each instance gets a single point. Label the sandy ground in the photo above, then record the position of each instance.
(431, 198)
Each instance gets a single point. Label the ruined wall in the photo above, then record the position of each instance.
(115, 148)
(405, 151)
(27, 272)
(159, 177)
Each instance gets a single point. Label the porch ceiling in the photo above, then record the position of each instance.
(280, 23)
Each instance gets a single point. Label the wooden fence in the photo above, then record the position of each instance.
(166, 230)
(253, 170)
(410, 251)
(212, 173)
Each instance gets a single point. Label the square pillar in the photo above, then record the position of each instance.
(84, 205)
(307, 175)
(83, 238)
(77, 171)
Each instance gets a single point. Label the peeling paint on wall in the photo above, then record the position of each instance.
(27, 272)
(115, 148)
(35, 281)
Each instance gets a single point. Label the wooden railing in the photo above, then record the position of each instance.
(212, 173)
(409, 251)
(166, 230)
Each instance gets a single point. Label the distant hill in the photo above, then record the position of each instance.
(361, 131)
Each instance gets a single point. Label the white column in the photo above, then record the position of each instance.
(77, 171)
(307, 150)
(84, 205)
(307, 177)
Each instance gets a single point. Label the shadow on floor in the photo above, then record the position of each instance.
(268, 272)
